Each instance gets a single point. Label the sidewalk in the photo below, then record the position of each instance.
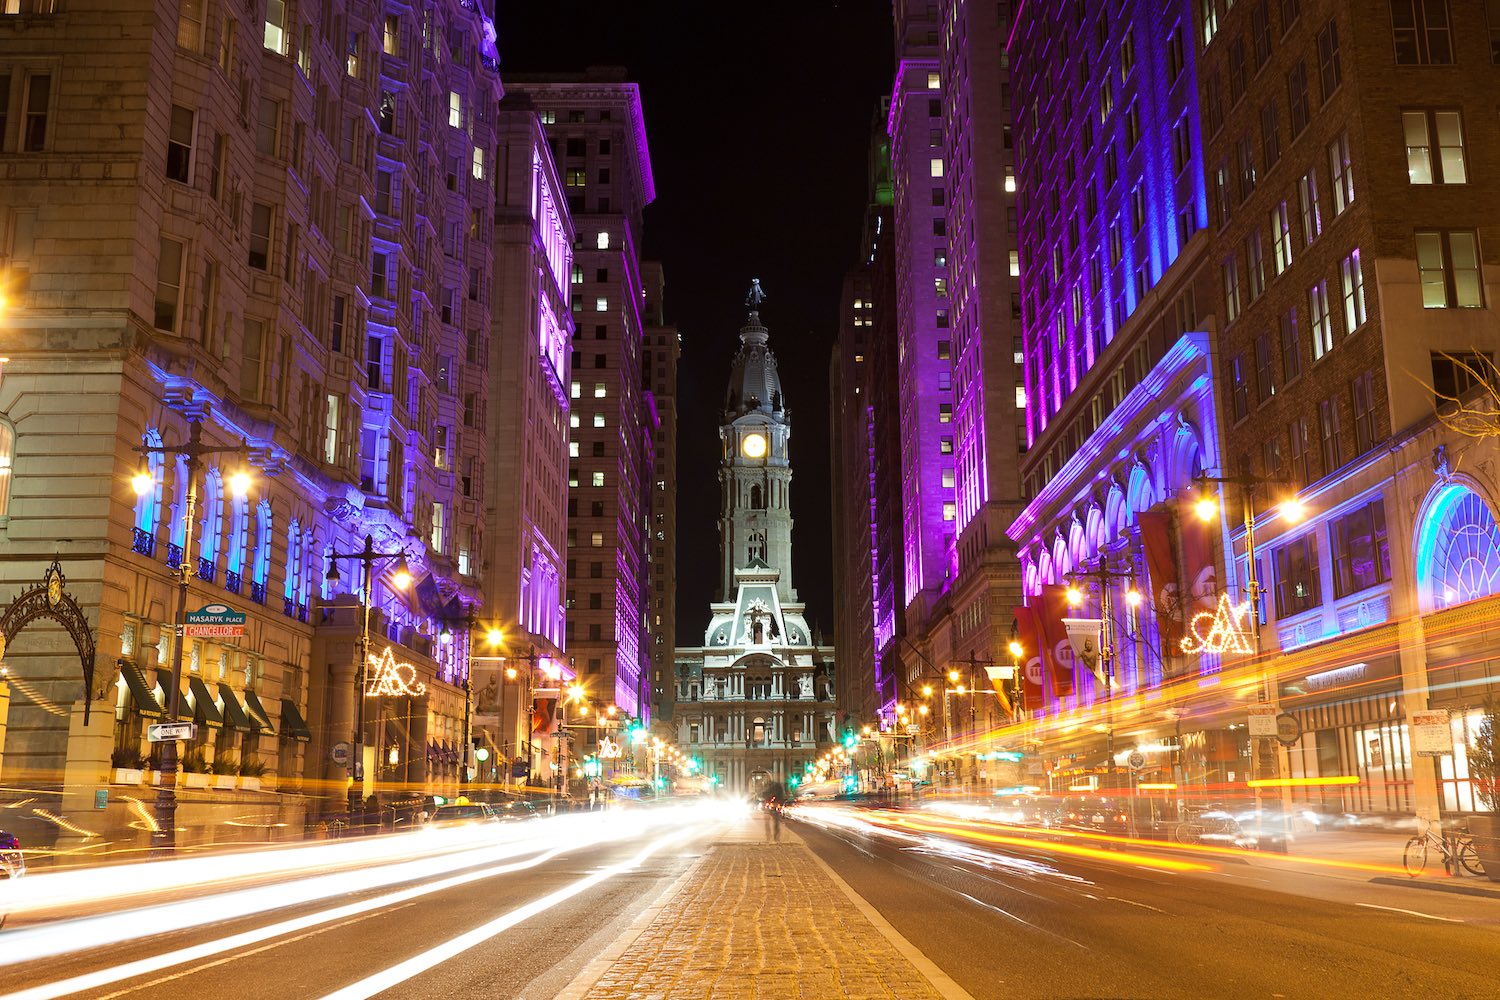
(754, 920)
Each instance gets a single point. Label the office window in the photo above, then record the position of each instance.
(1296, 90)
(1455, 373)
(1361, 551)
(601, 242)
(436, 538)
(1307, 202)
(1366, 422)
(1239, 387)
(1352, 280)
(38, 99)
(1297, 586)
(950, 512)
(1330, 72)
(180, 145)
(600, 390)
(1448, 267)
(1245, 155)
(169, 264)
(1208, 21)
(597, 479)
(276, 36)
(598, 420)
(1421, 32)
(1426, 165)
(945, 413)
(1342, 172)
(1231, 274)
(1301, 453)
(1182, 145)
(1328, 433)
(1270, 134)
(260, 237)
(936, 166)
(945, 445)
(1291, 346)
(1255, 264)
(1320, 320)
(596, 539)
(1265, 368)
(1260, 33)
(1281, 237)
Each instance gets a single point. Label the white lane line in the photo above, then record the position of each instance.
(1119, 899)
(195, 970)
(420, 963)
(1414, 913)
(155, 963)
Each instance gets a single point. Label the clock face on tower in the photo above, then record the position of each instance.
(753, 446)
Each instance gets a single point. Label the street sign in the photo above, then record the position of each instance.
(162, 732)
(913, 729)
(1137, 760)
(214, 621)
(1432, 733)
(340, 754)
(101, 798)
(1288, 729)
(1262, 720)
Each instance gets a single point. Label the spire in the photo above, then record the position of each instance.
(752, 332)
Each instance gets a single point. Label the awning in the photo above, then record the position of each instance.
(204, 709)
(140, 693)
(234, 712)
(258, 717)
(291, 722)
(164, 681)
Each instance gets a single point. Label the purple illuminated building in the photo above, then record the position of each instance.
(597, 132)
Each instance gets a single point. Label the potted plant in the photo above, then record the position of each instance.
(226, 768)
(251, 771)
(195, 768)
(129, 764)
(1484, 772)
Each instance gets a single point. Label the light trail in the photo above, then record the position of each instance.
(420, 963)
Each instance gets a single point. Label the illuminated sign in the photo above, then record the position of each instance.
(609, 749)
(1219, 631)
(389, 679)
(1337, 677)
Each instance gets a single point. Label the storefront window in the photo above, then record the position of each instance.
(1297, 587)
(1361, 553)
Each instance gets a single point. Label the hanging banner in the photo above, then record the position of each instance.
(1031, 658)
(1201, 578)
(1085, 638)
(1161, 567)
(1056, 650)
(1000, 680)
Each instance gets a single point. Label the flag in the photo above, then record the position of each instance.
(1085, 639)
(998, 682)
(1161, 568)
(1056, 651)
(1031, 658)
(428, 596)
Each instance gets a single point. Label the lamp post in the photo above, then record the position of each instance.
(1103, 576)
(1293, 511)
(164, 837)
(367, 558)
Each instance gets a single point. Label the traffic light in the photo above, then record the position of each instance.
(637, 731)
(850, 740)
(591, 767)
(792, 781)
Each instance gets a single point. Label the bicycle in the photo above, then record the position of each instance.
(1210, 823)
(1456, 849)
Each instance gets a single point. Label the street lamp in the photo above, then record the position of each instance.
(367, 557)
(164, 837)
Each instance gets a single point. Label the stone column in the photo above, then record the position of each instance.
(86, 770)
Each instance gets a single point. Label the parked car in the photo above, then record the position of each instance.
(1023, 810)
(1094, 814)
(467, 814)
(12, 861)
(513, 810)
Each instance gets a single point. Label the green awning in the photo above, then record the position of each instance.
(291, 722)
(234, 712)
(140, 692)
(258, 717)
(204, 709)
(164, 681)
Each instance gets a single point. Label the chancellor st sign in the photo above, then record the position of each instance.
(214, 621)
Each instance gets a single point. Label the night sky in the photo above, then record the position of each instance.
(758, 119)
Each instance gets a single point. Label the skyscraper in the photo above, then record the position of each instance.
(598, 136)
(663, 349)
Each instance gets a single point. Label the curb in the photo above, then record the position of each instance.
(1460, 890)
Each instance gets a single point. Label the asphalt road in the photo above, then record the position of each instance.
(507, 938)
(1014, 923)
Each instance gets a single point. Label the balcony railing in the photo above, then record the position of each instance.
(174, 555)
(288, 607)
(232, 582)
(257, 592)
(207, 571)
(143, 542)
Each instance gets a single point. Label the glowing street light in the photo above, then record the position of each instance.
(1075, 596)
(1206, 507)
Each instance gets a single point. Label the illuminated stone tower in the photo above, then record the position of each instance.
(755, 477)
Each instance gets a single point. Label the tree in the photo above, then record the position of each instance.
(1460, 408)
(1484, 767)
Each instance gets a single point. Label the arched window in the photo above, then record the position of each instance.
(213, 522)
(325, 589)
(292, 574)
(757, 545)
(1142, 496)
(234, 553)
(757, 498)
(304, 568)
(260, 567)
(148, 504)
(1458, 549)
(179, 512)
(7, 462)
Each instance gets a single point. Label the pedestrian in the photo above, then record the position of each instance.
(776, 819)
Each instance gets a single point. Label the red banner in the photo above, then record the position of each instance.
(1056, 651)
(1161, 567)
(1031, 659)
(1201, 579)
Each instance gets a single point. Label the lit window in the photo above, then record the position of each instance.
(945, 446)
(937, 166)
(1015, 263)
(598, 420)
(598, 479)
(573, 420)
(1020, 397)
(601, 304)
(950, 512)
(455, 110)
(948, 478)
(436, 539)
(1010, 181)
(599, 390)
(933, 81)
(572, 449)
(576, 390)
(945, 413)
(603, 241)
(275, 37)
(7, 460)
(596, 539)
(1424, 165)
(478, 164)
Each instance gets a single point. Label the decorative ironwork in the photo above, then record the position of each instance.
(232, 582)
(143, 542)
(48, 599)
(206, 570)
(302, 613)
(174, 555)
(257, 592)
(288, 607)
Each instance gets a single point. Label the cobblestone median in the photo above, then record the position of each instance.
(761, 921)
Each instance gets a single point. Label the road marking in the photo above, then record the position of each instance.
(1414, 913)
(420, 963)
(1132, 902)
